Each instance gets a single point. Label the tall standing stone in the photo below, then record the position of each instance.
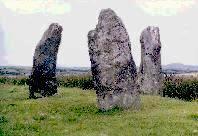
(150, 73)
(113, 69)
(43, 75)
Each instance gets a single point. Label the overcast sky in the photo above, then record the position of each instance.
(23, 22)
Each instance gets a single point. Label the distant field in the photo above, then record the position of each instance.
(73, 112)
(13, 71)
(189, 74)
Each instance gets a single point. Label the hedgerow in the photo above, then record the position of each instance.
(80, 81)
(184, 88)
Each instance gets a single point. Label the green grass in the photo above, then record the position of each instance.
(73, 112)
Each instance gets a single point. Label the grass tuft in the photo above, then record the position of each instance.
(194, 116)
(3, 119)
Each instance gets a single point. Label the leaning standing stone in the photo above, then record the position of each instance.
(43, 75)
(150, 73)
(113, 69)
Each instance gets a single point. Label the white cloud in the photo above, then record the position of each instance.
(165, 7)
(55, 7)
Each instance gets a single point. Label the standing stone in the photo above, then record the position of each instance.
(43, 76)
(150, 74)
(113, 69)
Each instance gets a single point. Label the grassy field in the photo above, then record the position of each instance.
(73, 112)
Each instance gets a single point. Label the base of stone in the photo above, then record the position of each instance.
(124, 100)
(151, 92)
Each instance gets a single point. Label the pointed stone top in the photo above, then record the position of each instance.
(151, 29)
(107, 11)
(152, 33)
(106, 15)
(54, 30)
(108, 19)
(55, 25)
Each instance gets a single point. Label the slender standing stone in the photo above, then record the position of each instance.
(113, 69)
(150, 75)
(43, 75)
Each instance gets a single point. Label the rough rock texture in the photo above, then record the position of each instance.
(113, 69)
(150, 75)
(43, 76)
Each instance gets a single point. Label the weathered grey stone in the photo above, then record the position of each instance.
(113, 69)
(150, 75)
(43, 75)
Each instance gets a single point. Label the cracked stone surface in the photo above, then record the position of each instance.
(43, 76)
(113, 69)
(150, 73)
